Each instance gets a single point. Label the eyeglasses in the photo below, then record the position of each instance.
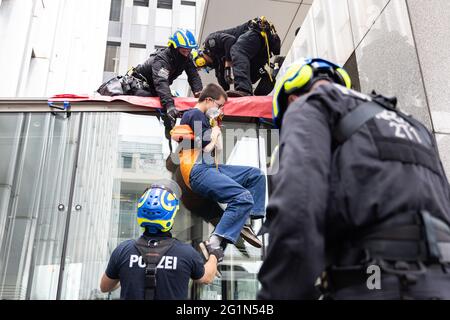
(219, 106)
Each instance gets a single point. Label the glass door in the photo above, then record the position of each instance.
(120, 156)
(37, 162)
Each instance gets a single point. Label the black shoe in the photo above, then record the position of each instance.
(237, 94)
(249, 235)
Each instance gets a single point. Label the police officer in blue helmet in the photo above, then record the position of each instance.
(157, 266)
(163, 67)
(360, 206)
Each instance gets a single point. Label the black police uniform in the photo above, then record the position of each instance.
(249, 55)
(180, 263)
(330, 197)
(219, 46)
(161, 69)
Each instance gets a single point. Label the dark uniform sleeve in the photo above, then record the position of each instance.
(220, 75)
(193, 77)
(112, 270)
(160, 75)
(296, 254)
(275, 44)
(198, 268)
(227, 41)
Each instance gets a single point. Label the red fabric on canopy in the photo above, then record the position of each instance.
(254, 107)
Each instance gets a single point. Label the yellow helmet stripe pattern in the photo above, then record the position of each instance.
(295, 78)
(299, 79)
(181, 39)
(165, 205)
(144, 198)
(162, 223)
(171, 42)
(346, 77)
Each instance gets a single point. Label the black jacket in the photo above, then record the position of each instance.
(162, 68)
(325, 192)
(219, 46)
(237, 31)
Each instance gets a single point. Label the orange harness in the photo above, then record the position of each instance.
(187, 157)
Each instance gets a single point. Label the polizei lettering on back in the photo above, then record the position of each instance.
(167, 262)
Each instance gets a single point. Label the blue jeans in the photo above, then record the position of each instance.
(242, 188)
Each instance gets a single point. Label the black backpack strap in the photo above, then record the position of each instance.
(152, 252)
(355, 119)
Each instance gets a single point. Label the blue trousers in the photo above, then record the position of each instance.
(242, 188)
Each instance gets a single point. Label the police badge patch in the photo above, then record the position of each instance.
(212, 43)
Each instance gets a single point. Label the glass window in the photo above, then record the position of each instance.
(242, 261)
(188, 3)
(140, 3)
(164, 4)
(127, 161)
(36, 170)
(44, 200)
(112, 57)
(115, 13)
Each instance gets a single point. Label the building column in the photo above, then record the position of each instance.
(127, 17)
(151, 26)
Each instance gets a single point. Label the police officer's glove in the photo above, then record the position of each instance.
(228, 77)
(172, 115)
(170, 119)
(217, 252)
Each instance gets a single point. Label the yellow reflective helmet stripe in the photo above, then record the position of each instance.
(162, 223)
(278, 87)
(144, 198)
(171, 42)
(297, 76)
(299, 80)
(165, 205)
(181, 39)
(346, 77)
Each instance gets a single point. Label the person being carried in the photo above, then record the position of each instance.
(242, 188)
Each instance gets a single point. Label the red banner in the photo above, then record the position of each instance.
(255, 107)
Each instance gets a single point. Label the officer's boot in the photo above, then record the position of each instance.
(238, 94)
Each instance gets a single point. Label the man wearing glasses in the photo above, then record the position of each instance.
(242, 188)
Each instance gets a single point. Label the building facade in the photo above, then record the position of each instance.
(69, 184)
(396, 47)
(138, 27)
(68, 196)
(52, 46)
